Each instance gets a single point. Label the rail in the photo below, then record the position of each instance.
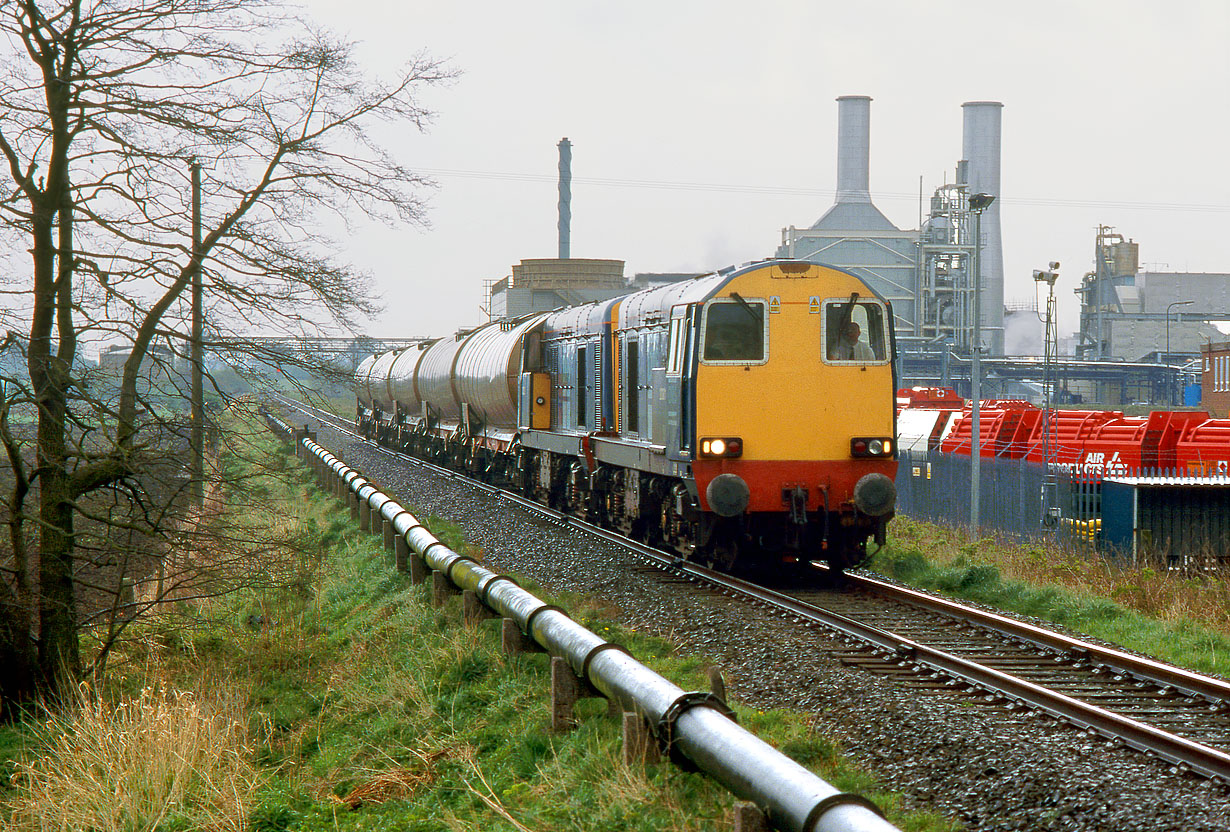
(694, 724)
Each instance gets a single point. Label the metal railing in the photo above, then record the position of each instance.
(694, 724)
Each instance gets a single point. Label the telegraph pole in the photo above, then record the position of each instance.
(197, 354)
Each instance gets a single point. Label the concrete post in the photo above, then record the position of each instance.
(513, 641)
(640, 747)
(747, 817)
(418, 569)
(473, 610)
(565, 691)
(441, 588)
(401, 551)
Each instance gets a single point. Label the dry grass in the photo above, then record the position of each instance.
(164, 759)
(1170, 596)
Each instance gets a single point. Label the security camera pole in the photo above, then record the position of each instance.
(977, 203)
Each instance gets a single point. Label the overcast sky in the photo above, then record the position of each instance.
(701, 129)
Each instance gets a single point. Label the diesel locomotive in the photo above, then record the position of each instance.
(744, 419)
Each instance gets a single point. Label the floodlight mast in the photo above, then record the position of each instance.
(977, 203)
(1050, 484)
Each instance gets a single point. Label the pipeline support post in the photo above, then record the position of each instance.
(640, 746)
(567, 688)
(389, 534)
(513, 641)
(353, 499)
(365, 516)
(418, 569)
(441, 588)
(748, 818)
(401, 552)
(474, 611)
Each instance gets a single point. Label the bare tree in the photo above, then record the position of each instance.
(104, 104)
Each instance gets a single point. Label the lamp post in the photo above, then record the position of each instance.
(1049, 351)
(977, 203)
(1170, 378)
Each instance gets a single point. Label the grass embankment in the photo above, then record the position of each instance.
(338, 698)
(1180, 619)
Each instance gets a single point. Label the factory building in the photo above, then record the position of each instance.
(926, 273)
(1215, 378)
(1131, 314)
(544, 284)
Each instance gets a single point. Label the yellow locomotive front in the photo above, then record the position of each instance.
(793, 414)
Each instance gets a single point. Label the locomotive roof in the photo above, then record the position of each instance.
(653, 304)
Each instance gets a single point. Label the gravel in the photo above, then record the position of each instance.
(943, 750)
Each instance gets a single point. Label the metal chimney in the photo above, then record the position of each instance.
(565, 197)
(853, 148)
(981, 150)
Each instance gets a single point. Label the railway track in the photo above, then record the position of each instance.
(925, 641)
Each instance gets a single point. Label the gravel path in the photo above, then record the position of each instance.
(946, 751)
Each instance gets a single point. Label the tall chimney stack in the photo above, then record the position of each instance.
(981, 148)
(853, 148)
(565, 198)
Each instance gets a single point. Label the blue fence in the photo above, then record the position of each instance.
(1016, 500)
(1165, 519)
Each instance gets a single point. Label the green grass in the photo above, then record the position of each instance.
(973, 576)
(370, 709)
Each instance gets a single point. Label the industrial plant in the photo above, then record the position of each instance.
(1142, 332)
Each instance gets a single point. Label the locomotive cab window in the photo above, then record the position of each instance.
(855, 331)
(734, 331)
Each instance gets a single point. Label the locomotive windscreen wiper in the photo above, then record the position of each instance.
(747, 307)
(848, 312)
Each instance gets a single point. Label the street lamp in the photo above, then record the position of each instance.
(1171, 377)
(977, 203)
(1050, 482)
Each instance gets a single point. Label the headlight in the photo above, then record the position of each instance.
(871, 446)
(726, 447)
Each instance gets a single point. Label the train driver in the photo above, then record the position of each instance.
(849, 346)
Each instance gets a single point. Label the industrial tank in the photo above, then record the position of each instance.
(488, 367)
(377, 381)
(361, 374)
(402, 378)
(435, 376)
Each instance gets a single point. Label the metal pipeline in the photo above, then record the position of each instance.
(694, 724)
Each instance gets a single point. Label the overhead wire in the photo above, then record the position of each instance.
(779, 190)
